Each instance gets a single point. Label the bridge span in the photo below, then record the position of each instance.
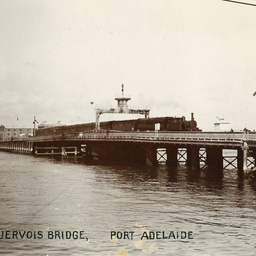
(196, 149)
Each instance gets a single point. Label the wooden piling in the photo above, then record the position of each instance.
(172, 156)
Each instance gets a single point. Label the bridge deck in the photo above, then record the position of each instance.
(142, 146)
(224, 139)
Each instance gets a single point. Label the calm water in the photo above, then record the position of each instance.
(44, 195)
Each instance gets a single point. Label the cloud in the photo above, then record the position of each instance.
(173, 57)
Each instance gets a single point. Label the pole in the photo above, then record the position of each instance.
(245, 148)
(34, 130)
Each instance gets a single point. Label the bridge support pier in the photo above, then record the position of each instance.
(240, 161)
(214, 158)
(151, 155)
(193, 157)
(87, 151)
(120, 152)
(242, 155)
(172, 154)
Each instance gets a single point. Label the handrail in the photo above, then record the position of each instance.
(161, 136)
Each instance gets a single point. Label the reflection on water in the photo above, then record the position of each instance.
(44, 194)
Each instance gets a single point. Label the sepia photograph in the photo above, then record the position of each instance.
(127, 127)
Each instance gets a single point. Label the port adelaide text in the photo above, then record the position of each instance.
(152, 235)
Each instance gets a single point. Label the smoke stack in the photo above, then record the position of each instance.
(192, 116)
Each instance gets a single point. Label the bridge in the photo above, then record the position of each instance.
(196, 149)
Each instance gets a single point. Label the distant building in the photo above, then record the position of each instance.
(221, 125)
(14, 133)
(2, 128)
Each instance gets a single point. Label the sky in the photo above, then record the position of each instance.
(173, 56)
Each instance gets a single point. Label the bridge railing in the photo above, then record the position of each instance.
(171, 136)
(192, 136)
